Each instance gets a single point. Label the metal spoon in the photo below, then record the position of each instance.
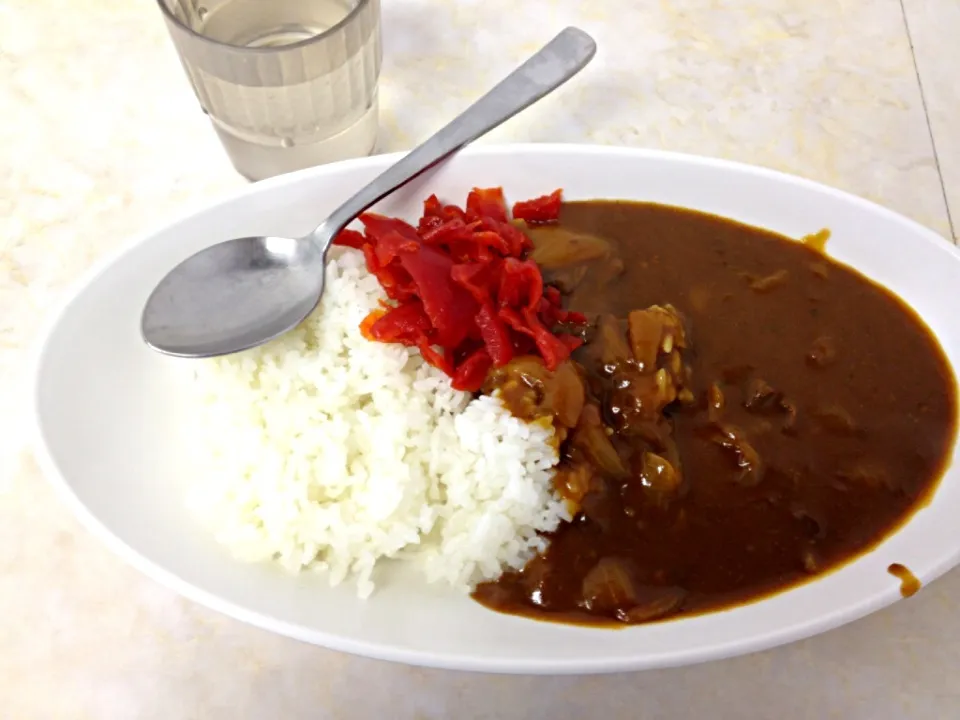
(241, 293)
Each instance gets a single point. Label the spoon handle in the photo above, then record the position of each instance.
(555, 63)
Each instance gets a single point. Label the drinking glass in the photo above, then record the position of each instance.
(287, 83)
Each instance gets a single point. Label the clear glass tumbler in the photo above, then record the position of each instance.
(287, 83)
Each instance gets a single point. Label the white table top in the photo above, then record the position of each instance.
(100, 137)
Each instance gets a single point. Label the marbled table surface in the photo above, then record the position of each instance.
(100, 137)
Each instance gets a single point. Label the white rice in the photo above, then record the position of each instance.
(323, 450)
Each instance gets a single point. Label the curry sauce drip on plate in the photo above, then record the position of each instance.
(744, 414)
(909, 583)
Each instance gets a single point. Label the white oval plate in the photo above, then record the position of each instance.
(109, 417)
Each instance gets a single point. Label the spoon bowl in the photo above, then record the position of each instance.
(234, 295)
(244, 292)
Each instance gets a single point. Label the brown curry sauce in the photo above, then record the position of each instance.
(808, 412)
(909, 583)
